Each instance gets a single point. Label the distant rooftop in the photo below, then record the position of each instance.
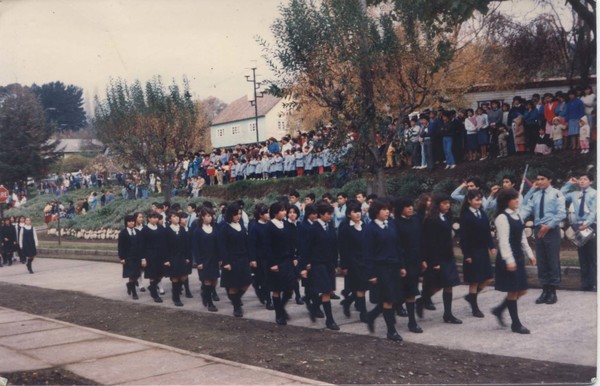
(79, 145)
(241, 109)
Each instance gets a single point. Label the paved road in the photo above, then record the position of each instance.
(565, 332)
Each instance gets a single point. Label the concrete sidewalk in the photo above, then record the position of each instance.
(565, 332)
(30, 342)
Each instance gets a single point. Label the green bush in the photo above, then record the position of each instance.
(409, 185)
(353, 186)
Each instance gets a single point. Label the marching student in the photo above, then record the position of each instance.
(292, 217)
(206, 258)
(183, 223)
(385, 266)
(28, 242)
(320, 262)
(153, 257)
(439, 254)
(352, 243)
(236, 263)
(476, 244)
(310, 217)
(128, 249)
(409, 227)
(422, 211)
(178, 255)
(510, 261)
(8, 234)
(139, 225)
(257, 246)
(280, 261)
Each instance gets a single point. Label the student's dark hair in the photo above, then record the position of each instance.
(401, 203)
(128, 218)
(437, 199)
(167, 204)
(205, 211)
(327, 195)
(375, 207)
(504, 197)
(259, 210)
(372, 196)
(589, 175)
(343, 194)
(295, 193)
(311, 195)
(511, 178)
(192, 205)
(475, 180)
(293, 208)
(160, 206)
(545, 173)
(310, 209)
(361, 192)
(353, 206)
(240, 203)
(422, 203)
(323, 208)
(232, 210)
(153, 214)
(467, 111)
(173, 213)
(275, 208)
(471, 194)
(183, 215)
(175, 207)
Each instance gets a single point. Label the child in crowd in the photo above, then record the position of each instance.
(557, 132)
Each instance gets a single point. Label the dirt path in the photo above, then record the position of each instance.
(317, 354)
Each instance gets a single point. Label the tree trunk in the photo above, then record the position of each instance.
(167, 185)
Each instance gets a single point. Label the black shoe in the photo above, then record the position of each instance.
(498, 312)
(143, 289)
(394, 337)
(452, 319)
(319, 314)
(188, 295)
(128, 288)
(551, 298)
(299, 301)
(543, 297)
(401, 311)
(332, 326)
(135, 297)
(157, 299)
(281, 321)
(215, 297)
(334, 297)
(346, 308)
(419, 305)
(477, 313)
(520, 329)
(416, 329)
(178, 303)
(370, 323)
(269, 306)
(211, 308)
(428, 305)
(238, 312)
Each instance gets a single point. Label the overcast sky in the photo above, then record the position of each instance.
(85, 42)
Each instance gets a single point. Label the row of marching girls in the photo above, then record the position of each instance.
(18, 237)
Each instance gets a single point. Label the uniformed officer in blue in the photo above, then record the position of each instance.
(547, 205)
(581, 204)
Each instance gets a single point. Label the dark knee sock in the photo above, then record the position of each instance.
(410, 307)
(361, 304)
(390, 320)
(278, 307)
(297, 289)
(327, 310)
(375, 312)
(514, 313)
(186, 286)
(447, 297)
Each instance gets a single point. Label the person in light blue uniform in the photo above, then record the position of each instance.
(289, 164)
(339, 211)
(547, 206)
(581, 204)
(471, 183)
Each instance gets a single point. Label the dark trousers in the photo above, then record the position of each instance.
(547, 252)
(587, 262)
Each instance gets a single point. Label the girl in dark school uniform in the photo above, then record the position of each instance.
(310, 217)
(320, 263)
(408, 226)
(8, 233)
(280, 260)
(183, 220)
(351, 236)
(293, 213)
(510, 261)
(153, 258)
(476, 244)
(206, 258)
(258, 248)
(28, 242)
(423, 208)
(439, 254)
(236, 263)
(385, 265)
(178, 255)
(139, 225)
(129, 254)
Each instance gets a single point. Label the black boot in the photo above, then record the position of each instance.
(551, 298)
(346, 303)
(214, 295)
(236, 302)
(208, 299)
(390, 322)
(543, 296)
(134, 294)
(29, 261)
(401, 311)
(516, 325)
(412, 322)
(498, 312)
(128, 285)
(362, 308)
(298, 299)
(186, 286)
(279, 316)
(472, 300)
(329, 322)
(176, 290)
(426, 295)
(154, 293)
(419, 306)
(204, 294)
(268, 302)
(371, 316)
(448, 317)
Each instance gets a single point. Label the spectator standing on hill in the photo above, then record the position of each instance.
(575, 111)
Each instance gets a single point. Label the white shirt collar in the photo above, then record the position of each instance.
(175, 228)
(207, 228)
(382, 224)
(356, 225)
(474, 211)
(153, 227)
(442, 217)
(323, 223)
(277, 223)
(236, 226)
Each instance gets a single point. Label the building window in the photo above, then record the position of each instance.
(235, 130)
(252, 127)
(220, 132)
(281, 125)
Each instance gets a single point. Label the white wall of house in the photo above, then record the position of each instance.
(277, 122)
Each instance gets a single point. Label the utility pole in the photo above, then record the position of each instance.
(255, 86)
